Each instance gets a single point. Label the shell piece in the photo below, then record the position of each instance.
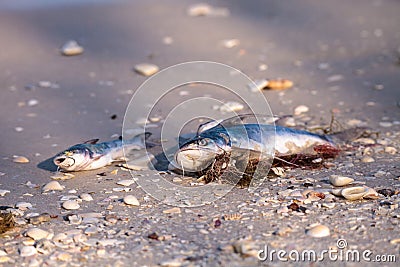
(231, 106)
(126, 182)
(370, 193)
(71, 205)
(319, 231)
(246, 248)
(23, 205)
(174, 210)
(71, 48)
(21, 159)
(301, 109)
(279, 84)
(146, 69)
(86, 197)
(258, 85)
(4, 192)
(27, 251)
(52, 186)
(230, 43)
(131, 200)
(354, 193)
(337, 180)
(37, 233)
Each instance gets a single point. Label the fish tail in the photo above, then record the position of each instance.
(348, 135)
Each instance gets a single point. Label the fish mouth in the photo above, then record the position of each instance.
(194, 159)
(64, 161)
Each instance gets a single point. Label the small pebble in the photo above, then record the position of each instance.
(27, 251)
(300, 109)
(18, 129)
(146, 69)
(52, 186)
(71, 48)
(319, 231)
(335, 78)
(131, 200)
(71, 205)
(385, 124)
(21, 159)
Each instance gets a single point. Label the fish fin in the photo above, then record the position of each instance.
(91, 141)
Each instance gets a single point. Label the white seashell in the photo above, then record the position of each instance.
(71, 205)
(21, 159)
(146, 69)
(246, 248)
(23, 205)
(174, 210)
(18, 129)
(300, 109)
(199, 10)
(71, 48)
(370, 193)
(390, 150)
(354, 193)
(32, 102)
(52, 186)
(230, 43)
(367, 159)
(131, 200)
(126, 182)
(337, 180)
(27, 251)
(86, 197)
(319, 231)
(231, 106)
(4, 192)
(37, 234)
(171, 263)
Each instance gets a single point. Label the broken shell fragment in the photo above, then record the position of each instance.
(21, 159)
(231, 106)
(370, 193)
(279, 84)
(71, 205)
(337, 180)
(354, 193)
(131, 200)
(37, 234)
(146, 69)
(319, 231)
(71, 48)
(52, 186)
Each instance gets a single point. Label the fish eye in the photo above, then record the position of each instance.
(203, 142)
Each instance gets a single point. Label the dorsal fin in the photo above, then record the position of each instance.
(92, 141)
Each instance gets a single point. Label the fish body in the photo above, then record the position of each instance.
(200, 152)
(92, 155)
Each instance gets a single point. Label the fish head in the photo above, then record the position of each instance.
(199, 153)
(73, 159)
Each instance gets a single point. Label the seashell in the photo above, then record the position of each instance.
(172, 263)
(367, 159)
(246, 248)
(146, 69)
(231, 106)
(199, 10)
(52, 186)
(300, 109)
(71, 48)
(131, 200)
(370, 193)
(337, 180)
(27, 251)
(21, 159)
(37, 233)
(71, 205)
(279, 84)
(86, 197)
(126, 182)
(174, 210)
(230, 43)
(354, 193)
(23, 205)
(319, 231)
(4, 192)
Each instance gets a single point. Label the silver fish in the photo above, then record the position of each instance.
(200, 152)
(90, 155)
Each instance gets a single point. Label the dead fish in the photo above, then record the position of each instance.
(266, 139)
(91, 155)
